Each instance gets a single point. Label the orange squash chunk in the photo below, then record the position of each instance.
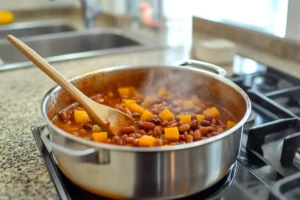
(166, 114)
(127, 102)
(187, 119)
(213, 111)
(162, 91)
(127, 91)
(136, 108)
(230, 124)
(81, 117)
(172, 133)
(147, 141)
(200, 118)
(145, 115)
(99, 137)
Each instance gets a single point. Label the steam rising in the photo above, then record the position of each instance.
(178, 82)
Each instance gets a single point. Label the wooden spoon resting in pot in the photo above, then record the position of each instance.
(100, 114)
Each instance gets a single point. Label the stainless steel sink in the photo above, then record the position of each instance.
(74, 45)
(27, 29)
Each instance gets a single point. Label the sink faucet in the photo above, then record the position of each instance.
(90, 10)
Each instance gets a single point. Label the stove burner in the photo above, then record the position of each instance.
(266, 83)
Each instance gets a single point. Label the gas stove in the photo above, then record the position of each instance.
(268, 166)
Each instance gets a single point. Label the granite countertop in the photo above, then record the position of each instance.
(23, 174)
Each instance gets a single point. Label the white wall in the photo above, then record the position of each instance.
(293, 23)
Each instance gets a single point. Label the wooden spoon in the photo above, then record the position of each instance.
(100, 114)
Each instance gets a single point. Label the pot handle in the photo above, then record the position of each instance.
(88, 155)
(202, 65)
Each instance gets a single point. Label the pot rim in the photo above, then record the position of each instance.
(149, 149)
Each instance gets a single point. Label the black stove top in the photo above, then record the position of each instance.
(268, 166)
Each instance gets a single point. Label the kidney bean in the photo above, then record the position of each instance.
(155, 111)
(139, 135)
(208, 135)
(164, 123)
(203, 130)
(191, 133)
(172, 143)
(150, 133)
(213, 122)
(180, 123)
(177, 110)
(184, 128)
(82, 131)
(181, 142)
(127, 129)
(63, 115)
(129, 139)
(205, 123)
(140, 124)
(136, 142)
(155, 120)
(124, 136)
(194, 124)
(210, 129)
(159, 142)
(198, 110)
(165, 142)
(141, 132)
(119, 142)
(182, 137)
(156, 132)
(69, 112)
(131, 135)
(185, 133)
(208, 118)
(193, 116)
(220, 130)
(135, 115)
(87, 126)
(108, 141)
(115, 138)
(173, 125)
(177, 117)
(214, 133)
(189, 139)
(148, 125)
(197, 135)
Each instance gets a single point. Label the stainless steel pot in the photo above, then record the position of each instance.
(148, 173)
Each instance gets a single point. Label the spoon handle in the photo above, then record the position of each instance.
(48, 69)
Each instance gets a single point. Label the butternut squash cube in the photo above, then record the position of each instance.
(81, 117)
(147, 141)
(110, 93)
(136, 108)
(195, 99)
(188, 104)
(230, 124)
(163, 91)
(147, 102)
(145, 115)
(187, 119)
(200, 118)
(127, 102)
(126, 91)
(99, 137)
(166, 114)
(213, 111)
(172, 133)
